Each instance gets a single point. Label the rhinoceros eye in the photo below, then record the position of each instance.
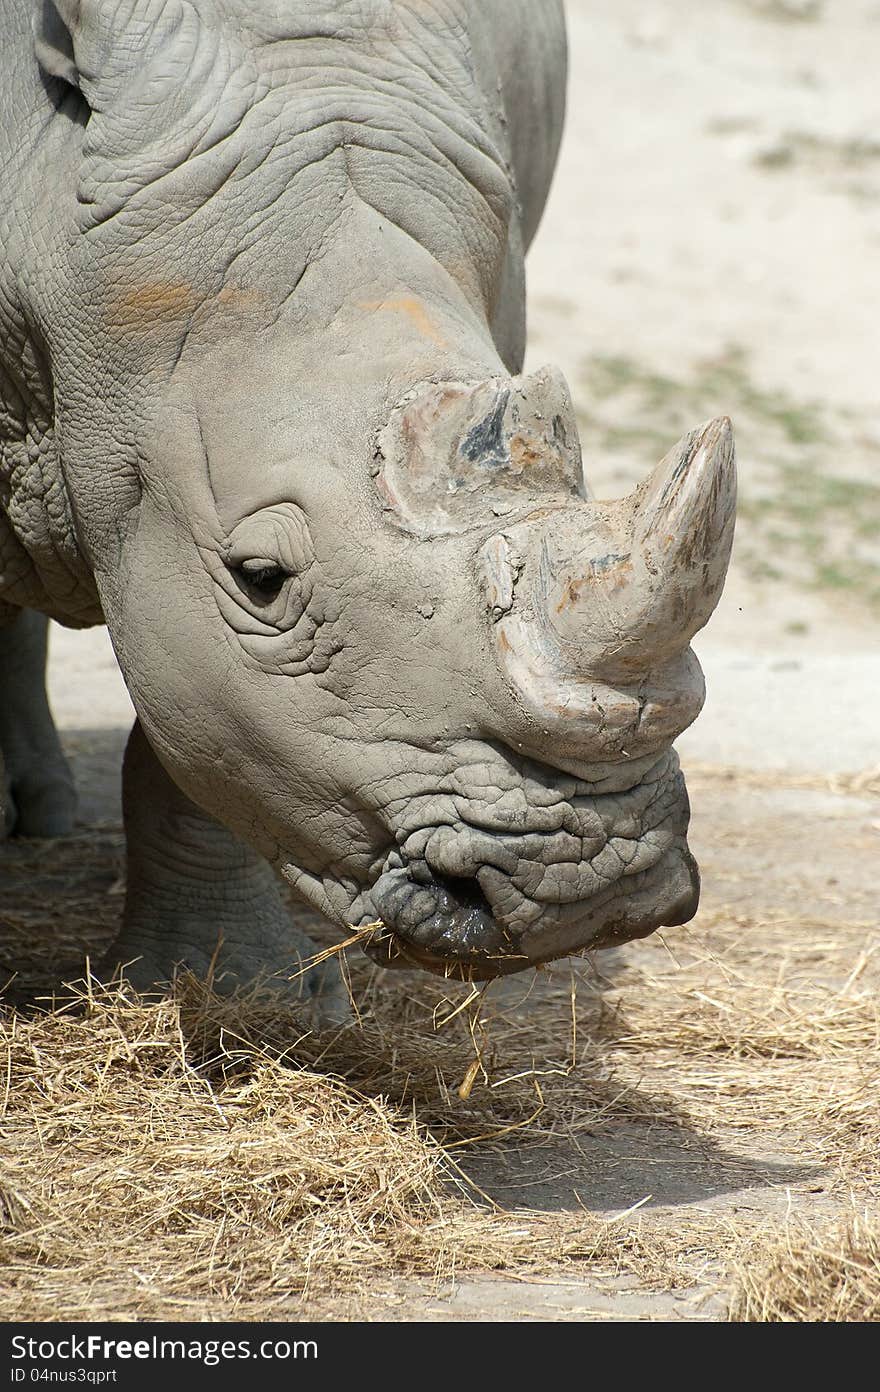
(263, 578)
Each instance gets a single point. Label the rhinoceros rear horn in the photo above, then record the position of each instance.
(457, 453)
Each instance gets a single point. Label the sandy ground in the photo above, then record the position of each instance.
(711, 245)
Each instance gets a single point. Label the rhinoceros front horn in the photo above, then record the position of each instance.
(682, 520)
(594, 604)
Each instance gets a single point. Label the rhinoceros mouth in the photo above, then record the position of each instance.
(471, 900)
(441, 923)
(466, 942)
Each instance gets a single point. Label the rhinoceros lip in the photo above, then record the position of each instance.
(391, 950)
(491, 952)
(446, 919)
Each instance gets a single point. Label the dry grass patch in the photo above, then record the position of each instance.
(863, 783)
(157, 1163)
(208, 1157)
(807, 1276)
(136, 1183)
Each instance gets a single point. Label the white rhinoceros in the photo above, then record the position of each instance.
(262, 314)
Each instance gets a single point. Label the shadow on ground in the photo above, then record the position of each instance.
(626, 1164)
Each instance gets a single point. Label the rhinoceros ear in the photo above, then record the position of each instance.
(165, 82)
(53, 40)
(75, 39)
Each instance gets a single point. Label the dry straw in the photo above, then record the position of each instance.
(159, 1161)
(805, 1275)
(206, 1157)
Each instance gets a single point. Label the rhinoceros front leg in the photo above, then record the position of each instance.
(37, 795)
(197, 897)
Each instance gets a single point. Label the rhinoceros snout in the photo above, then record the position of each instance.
(549, 867)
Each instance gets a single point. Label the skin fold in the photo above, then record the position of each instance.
(262, 297)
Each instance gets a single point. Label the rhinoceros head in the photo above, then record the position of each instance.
(418, 666)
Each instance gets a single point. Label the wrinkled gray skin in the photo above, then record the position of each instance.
(236, 234)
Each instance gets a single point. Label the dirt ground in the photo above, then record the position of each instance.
(711, 245)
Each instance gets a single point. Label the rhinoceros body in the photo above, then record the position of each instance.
(262, 326)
